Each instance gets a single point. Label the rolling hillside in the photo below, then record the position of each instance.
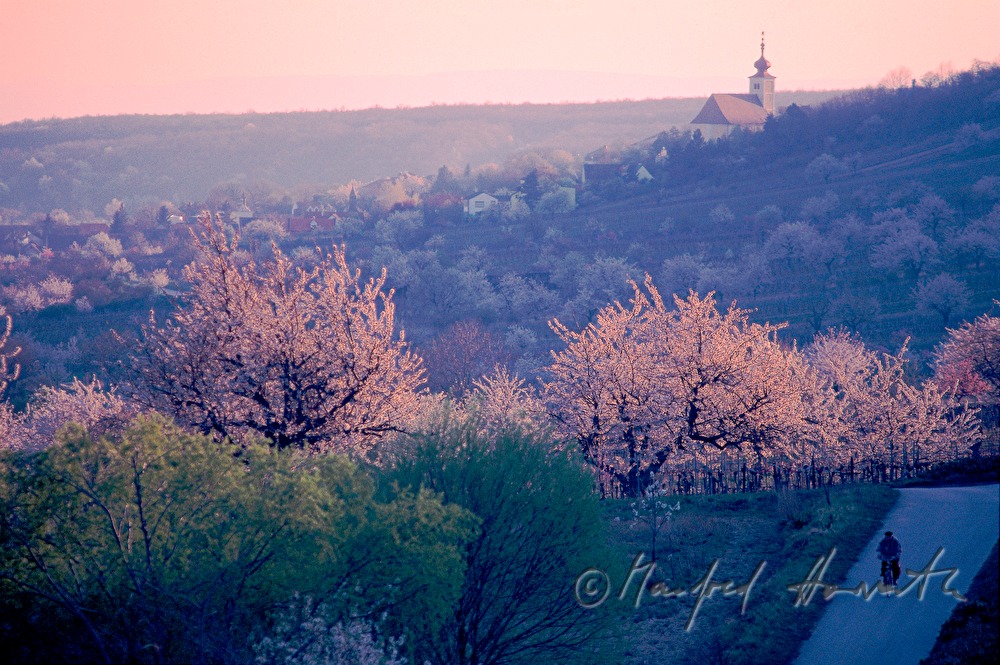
(83, 163)
(877, 211)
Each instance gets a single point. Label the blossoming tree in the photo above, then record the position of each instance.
(306, 358)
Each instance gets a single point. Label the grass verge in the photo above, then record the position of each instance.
(969, 471)
(789, 531)
(970, 635)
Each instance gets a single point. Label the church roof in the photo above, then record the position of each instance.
(722, 109)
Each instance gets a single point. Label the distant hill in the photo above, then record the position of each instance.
(82, 163)
(878, 211)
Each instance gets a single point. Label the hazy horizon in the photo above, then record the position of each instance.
(292, 94)
(110, 57)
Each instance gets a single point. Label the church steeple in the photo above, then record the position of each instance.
(762, 64)
(762, 83)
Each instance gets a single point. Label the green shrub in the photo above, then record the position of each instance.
(160, 546)
(541, 527)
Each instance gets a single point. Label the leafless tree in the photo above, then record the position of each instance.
(461, 355)
(904, 247)
(942, 295)
(504, 402)
(900, 77)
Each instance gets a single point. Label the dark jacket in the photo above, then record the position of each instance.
(889, 548)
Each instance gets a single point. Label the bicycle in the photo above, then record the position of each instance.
(890, 574)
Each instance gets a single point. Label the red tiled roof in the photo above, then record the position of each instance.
(305, 224)
(721, 109)
(299, 224)
(90, 228)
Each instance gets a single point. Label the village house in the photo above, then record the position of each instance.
(642, 174)
(385, 194)
(602, 165)
(633, 163)
(479, 204)
(20, 240)
(311, 223)
(241, 215)
(92, 228)
(316, 216)
(570, 194)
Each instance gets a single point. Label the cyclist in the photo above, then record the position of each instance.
(889, 550)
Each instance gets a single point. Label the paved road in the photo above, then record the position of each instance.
(890, 630)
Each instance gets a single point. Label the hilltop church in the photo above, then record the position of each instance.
(723, 113)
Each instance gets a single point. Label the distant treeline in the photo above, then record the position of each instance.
(83, 163)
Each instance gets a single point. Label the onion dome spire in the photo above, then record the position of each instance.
(762, 64)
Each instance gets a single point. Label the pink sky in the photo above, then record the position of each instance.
(69, 58)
